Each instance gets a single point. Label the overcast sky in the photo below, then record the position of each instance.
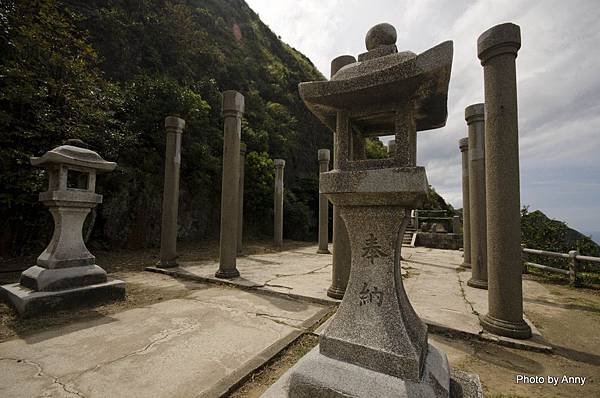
(558, 71)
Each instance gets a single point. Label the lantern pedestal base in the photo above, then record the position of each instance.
(317, 375)
(29, 302)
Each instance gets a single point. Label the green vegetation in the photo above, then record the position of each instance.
(109, 72)
(540, 232)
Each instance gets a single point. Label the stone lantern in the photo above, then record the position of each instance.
(66, 269)
(376, 345)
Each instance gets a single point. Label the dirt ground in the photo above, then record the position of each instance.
(568, 318)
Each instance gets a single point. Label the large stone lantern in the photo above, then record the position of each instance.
(376, 345)
(66, 269)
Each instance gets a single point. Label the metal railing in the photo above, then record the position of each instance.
(573, 257)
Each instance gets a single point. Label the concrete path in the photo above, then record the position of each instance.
(433, 278)
(200, 345)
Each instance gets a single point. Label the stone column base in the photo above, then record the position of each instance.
(336, 292)
(477, 284)
(518, 330)
(28, 302)
(317, 375)
(466, 265)
(227, 273)
(167, 264)
(323, 251)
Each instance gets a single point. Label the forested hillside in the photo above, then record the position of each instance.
(109, 71)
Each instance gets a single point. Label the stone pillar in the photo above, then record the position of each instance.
(497, 49)
(240, 247)
(323, 156)
(463, 144)
(474, 115)
(278, 205)
(391, 147)
(340, 270)
(170, 205)
(233, 108)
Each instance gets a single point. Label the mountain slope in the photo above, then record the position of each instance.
(109, 71)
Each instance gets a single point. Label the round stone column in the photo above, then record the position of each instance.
(233, 108)
(497, 49)
(323, 156)
(240, 248)
(341, 261)
(474, 115)
(278, 205)
(463, 144)
(170, 205)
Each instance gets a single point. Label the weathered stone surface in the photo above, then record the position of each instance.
(73, 156)
(28, 302)
(66, 269)
(360, 92)
(199, 345)
(383, 34)
(240, 247)
(44, 279)
(233, 108)
(170, 205)
(375, 328)
(346, 380)
(323, 156)
(278, 203)
(497, 49)
(463, 145)
(341, 61)
(474, 115)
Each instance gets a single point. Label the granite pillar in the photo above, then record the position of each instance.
(391, 147)
(233, 108)
(170, 205)
(474, 115)
(278, 205)
(463, 144)
(240, 247)
(323, 156)
(340, 270)
(497, 49)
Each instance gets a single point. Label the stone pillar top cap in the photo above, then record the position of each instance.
(174, 122)
(339, 62)
(475, 110)
(382, 34)
(233, 101)
(243, 147)
(506, 36)
(463, 144)
(279, 162)
(324, 154)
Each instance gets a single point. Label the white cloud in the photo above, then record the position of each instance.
(558, 83)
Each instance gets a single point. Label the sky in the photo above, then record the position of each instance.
(558, 82)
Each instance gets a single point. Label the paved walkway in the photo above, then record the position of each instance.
(434, 281)
(200, 345)
(205, 342)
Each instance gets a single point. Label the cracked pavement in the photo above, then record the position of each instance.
(199, 345)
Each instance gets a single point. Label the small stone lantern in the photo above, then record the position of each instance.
(376, 345)
(66, 269)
